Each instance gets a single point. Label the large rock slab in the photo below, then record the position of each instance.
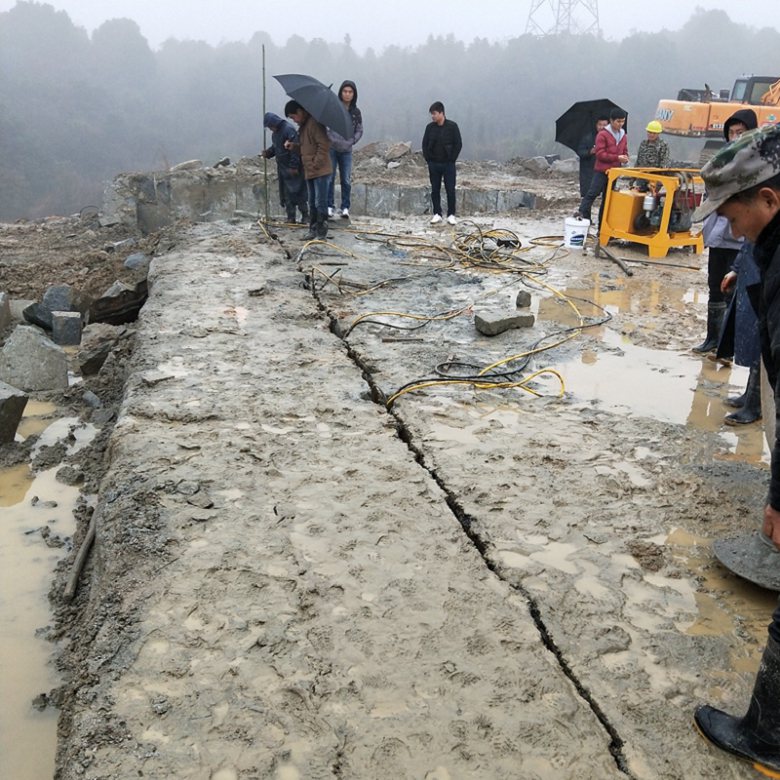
(31, 361)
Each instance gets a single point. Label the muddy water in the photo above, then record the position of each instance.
(667, 385)
(27, 736)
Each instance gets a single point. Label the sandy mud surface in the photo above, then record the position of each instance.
(300, 572)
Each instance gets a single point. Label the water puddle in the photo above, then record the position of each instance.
(36, 528)
(665, 385)
(726, 604)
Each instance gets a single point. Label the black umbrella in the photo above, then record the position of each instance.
(579, 119)
(323, 104)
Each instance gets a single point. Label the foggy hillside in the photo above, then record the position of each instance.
(75, 110)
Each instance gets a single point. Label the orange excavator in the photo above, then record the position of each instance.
(701, 113)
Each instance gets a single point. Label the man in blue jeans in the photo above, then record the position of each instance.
(441, 146)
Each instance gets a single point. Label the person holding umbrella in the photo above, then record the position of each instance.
(586, 151)
(315, 154)
(611, 152)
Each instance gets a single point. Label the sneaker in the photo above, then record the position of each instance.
(331, 212)
(451, 219)
(436, 219)
(345, 213)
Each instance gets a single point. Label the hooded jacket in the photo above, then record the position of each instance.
(287, 160)
(337, 142)
(745, 115)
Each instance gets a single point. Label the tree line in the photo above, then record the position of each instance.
(76, 109)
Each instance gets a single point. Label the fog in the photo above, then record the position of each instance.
(377, 25)
(81, 102)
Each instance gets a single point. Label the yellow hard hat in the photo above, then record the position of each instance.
(654, 127)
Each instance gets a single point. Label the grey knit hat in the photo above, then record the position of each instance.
(753, 158)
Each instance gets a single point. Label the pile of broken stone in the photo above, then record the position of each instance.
(34, 356)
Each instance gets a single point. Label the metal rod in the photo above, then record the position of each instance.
(265, 159)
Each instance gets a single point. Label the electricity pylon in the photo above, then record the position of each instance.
(555, 17)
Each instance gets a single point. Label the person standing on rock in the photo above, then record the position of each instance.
(743, 185)
(315, 154)
(292, 185)
(611, 152)
(341, 151)
(441, 146)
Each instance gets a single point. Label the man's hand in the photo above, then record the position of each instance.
(288, 144)
(623, 158)
(727, 282)
(772, 524)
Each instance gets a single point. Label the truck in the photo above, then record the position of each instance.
(701, 113)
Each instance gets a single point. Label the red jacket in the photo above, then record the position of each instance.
(607, 150)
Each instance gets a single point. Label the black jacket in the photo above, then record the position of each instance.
(441, 143)
(767, 256)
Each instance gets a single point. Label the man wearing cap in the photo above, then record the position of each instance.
(743, 185)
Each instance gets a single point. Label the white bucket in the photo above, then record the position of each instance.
(575, 232)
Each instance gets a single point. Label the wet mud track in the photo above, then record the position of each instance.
(292, 581)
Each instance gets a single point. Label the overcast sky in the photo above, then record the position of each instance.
(379, 23)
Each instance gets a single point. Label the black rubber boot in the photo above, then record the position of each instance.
(715, 314)
(751, 407)
(291, 215)
(735, 401)
(312, 234)
(322, 226)
(304, 214)
(756, 736)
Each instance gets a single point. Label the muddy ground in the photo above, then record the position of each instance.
(293, 580)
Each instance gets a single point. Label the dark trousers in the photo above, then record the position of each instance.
(598, 186)
(719, 262)
(438, 171)
(774, 626)
(292, 193)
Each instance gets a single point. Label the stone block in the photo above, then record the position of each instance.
(12, 403)
(63, 297)
(523, 300)
(38, 314)
(31, 361)
(491, 323)
(66, 328)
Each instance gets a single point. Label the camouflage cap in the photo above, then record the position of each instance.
(754, 157)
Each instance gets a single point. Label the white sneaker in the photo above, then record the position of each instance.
(331, 212)
(436, 219)
(451, 219)
(345, 213)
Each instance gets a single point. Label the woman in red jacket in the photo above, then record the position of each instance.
(611, 152)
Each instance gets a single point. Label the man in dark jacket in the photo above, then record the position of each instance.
(441, 146)
(586, 151)
(292, 185)
(743, 185)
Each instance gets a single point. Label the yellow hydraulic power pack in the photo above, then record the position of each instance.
(652, 206)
